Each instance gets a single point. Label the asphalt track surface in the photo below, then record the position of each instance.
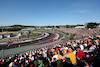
(5, 47)
(28, 47)
(10, 52)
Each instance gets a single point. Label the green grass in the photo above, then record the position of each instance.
(36, 34)
(33, 35)
(72, 36)
(36, 30)
(14, 34)
(66, 34)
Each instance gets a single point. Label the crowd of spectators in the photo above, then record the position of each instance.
(81, 32)
(75, 53)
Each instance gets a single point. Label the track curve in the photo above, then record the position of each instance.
(29, 47)
(5, 47)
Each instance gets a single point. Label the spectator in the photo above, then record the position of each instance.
(80, 53)
(59, 55)
(72, 57)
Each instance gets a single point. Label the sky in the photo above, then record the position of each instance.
(49, 12)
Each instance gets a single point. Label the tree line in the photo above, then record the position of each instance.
(19, 27)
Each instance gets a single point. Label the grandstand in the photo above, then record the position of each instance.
(63, 52)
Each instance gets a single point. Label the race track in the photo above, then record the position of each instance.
(4, 47)
(50, 40)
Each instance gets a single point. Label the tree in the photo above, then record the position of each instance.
(92, 25)
(67, 26)
(78, 24)
(57, 27)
